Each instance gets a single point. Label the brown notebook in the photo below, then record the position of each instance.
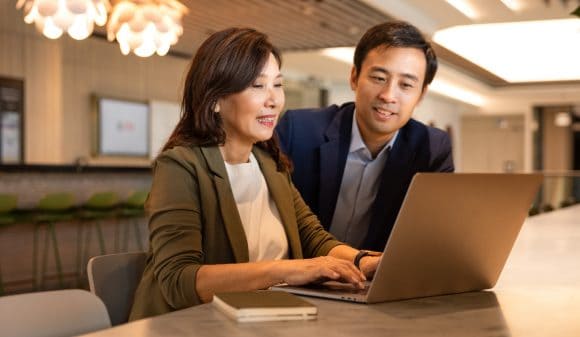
(264, 305)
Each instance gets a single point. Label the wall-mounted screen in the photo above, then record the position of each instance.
(123, 127)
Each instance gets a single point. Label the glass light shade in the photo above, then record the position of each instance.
(146, 27)
(76, 17)
(563, 119)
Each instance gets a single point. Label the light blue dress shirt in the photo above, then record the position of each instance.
(358, 189)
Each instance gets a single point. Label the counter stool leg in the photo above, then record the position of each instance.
(78, 257)
(44, 259)
(35, 257)
(57, 258)
(100, 237)
(117, 245)
(136, 225)
(1, 283)
(85, 251)
(125, 237)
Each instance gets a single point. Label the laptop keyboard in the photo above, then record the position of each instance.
(340, 287)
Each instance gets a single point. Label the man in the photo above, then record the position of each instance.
(354, 163)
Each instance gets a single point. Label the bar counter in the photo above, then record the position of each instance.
(32, 182)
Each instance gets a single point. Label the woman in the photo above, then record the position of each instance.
(223, 213)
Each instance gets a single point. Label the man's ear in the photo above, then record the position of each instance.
(353, 78)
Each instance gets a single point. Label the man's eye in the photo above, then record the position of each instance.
(378, 78)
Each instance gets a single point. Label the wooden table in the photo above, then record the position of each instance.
(538, 294)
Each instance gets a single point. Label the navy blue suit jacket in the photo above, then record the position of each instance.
(317, 141)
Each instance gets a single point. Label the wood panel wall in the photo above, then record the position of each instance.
(60, 76)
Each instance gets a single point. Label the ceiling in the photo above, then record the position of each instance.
(433, 15)
(291, 25)
(493, 11)
(300, 25)
(314, 24)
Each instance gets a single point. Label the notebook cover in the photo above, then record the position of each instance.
(264, 305)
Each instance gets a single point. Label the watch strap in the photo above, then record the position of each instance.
(359, 256)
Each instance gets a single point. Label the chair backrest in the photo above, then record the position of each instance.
(8, 202)
(56, 202)
(102, 200)
(58, 313)
(137, 199)
(114, 279)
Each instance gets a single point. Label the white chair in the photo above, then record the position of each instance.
(114, 279)
(52, 314)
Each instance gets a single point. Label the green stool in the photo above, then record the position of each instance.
(100, 206)
(51, 209)
(133, 208)
(8, 204)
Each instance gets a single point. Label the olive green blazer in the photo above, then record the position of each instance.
(193, 220)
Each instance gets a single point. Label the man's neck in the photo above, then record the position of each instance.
(375, 145)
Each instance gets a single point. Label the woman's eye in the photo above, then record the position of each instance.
(259, 86)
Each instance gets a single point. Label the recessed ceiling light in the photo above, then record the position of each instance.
(529, 51)
(344, 54)
(514, 5)
(465, 7)
(449, 89)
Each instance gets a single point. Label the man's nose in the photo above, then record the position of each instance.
(388, 92)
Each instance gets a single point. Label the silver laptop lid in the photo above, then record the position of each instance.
(453, 234)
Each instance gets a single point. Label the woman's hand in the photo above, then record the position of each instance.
(368, 265)
(320, 269)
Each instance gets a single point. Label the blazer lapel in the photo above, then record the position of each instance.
(278, 186)
(227, 204)
(333, 156)
(395, 177)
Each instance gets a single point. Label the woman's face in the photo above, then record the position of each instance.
(251, 115)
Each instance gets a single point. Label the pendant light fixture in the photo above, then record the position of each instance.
(54, 17)
(146, 27)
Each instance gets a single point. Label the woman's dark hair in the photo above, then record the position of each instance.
(396, 34)
(226, 63)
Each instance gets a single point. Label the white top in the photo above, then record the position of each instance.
(264, 231)
(358, 189)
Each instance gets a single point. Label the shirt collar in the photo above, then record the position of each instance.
(357, 143)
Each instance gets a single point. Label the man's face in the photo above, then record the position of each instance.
(387, 89)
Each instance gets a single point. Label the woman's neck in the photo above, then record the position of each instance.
(235, 153)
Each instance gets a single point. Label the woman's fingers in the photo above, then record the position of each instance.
(348, 272)
(323, 268)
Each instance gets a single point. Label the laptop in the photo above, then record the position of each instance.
(453, 234)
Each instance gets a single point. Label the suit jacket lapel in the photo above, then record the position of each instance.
(332, 161)
(278, 184)
(393, 180)
(227, 204)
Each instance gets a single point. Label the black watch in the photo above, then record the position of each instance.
(359, 256)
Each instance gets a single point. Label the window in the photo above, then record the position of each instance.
(11, 121)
